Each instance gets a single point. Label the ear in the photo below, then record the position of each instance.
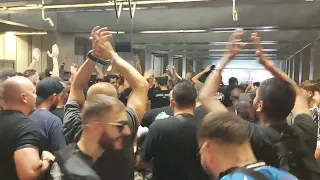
(172, 105)
(260, 106)
(23, 98)
(310, 94)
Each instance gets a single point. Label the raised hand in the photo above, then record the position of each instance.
(101, 44)
(148, 74)
(36, 54)
(55, 51)
(257, 43)
(73, 69)
(235, 45)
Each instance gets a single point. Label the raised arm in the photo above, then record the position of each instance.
(35, 58)
(138, 97)
(176, 77)
(212, 84)
(301, 105)
(100, 73)
(196, 78)
(137, 64)
(54, 55)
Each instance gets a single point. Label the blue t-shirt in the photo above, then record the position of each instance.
(50, 127)
(268, 172)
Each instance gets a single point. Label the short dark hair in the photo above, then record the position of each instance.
(108, 77)
(233, 81)
(162, 81)
(240, 87)
(278, 97)
(98, 106)
(257, 84)
(29, 72)
(184, 94)
(310, 85)
(224, 127)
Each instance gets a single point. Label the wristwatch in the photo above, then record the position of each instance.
(95, 59)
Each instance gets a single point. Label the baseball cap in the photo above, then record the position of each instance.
(247, 96)
(48, 87)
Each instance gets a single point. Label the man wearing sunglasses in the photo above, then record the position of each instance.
(104, 127)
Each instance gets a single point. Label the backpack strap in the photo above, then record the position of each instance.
(250, 172)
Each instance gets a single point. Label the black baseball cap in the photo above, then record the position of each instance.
(48, 87)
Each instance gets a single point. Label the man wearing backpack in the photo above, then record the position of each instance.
(226, 152)
(273, 141)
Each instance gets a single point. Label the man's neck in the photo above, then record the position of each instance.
(312, 104)
(21, 109)
(163, 87)
(90, 148)
(183, 111)
(44, 105)
(240, 156)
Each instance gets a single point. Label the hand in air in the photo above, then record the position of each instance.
(73, 69)
(235, 45)
(101, 44)
(55, 51)
(36, 54)
(148, 74)
(257, 42)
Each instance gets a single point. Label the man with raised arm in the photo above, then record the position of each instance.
(113, 164)
(19, 136)
(273, 140)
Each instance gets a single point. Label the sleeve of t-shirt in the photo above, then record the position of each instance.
(133, 121)
(148, 148)
(56, 137)
(72, 126)
(308, 130)
(27, 135)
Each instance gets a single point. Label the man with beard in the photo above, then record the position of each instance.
(48, 91)
(105, 125)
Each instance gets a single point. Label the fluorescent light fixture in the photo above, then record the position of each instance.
(29, 33)
(117, 32)
(9, 33)
(227, 43)
(4, 8)
(62, 6)
(247, 50)
(174, 31)
(33, 5)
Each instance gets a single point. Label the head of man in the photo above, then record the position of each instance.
(184, 96)
(32, 75)
(102, 88)
(274, 101)
(48, 72)
(161, 81)
(235, 94)
(311, 91)
(189, 76)
(19, 94)
(233, 81)
(245, 106)
(220, 136)
(5, 73)
(256, 85)
(112, 79)
(49, 91)
(105, 121)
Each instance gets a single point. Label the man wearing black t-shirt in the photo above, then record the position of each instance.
(172, 142)
(19, 136)
(113, 164)
(160, 97)
(273, 140)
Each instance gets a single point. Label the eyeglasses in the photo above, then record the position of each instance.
(120, 125)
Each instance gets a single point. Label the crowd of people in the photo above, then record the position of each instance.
(124, 124)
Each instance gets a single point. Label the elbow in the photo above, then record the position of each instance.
(31, 175)
(202, 97)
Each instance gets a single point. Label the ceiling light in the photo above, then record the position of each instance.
(33, 5)
(29, 33)
(247, 50)
(4, 8)
(227, 43)
(9, 33)
(117, 32)
(173, 31)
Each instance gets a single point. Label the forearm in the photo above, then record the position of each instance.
(32, 65)
(138, 67)
(83, 75)
(134, 78)
(55, 69)
(196, 78)
(100, 73)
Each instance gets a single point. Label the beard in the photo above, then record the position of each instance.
(106, 142)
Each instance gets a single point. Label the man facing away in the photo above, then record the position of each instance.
(226, 152)
(172, 142)
(105, 125)
(19, 136)
(49, 90)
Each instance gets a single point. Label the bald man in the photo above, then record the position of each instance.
(19, 136)
(113, 164)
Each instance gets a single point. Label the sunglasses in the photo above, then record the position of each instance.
(120, 125)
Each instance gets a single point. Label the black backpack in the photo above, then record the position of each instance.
(292, 153)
